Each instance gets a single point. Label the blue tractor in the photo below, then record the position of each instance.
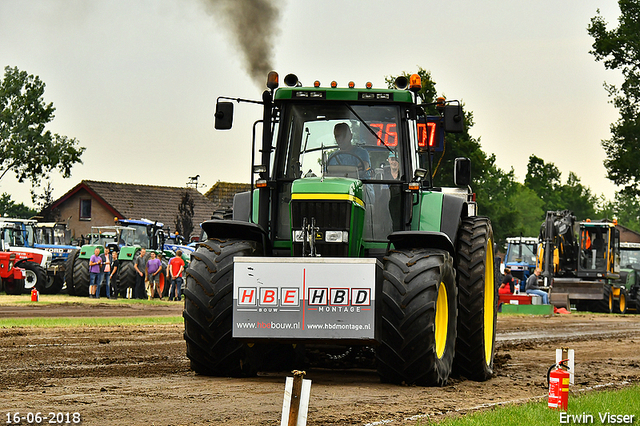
(521, 257)
(51, 237)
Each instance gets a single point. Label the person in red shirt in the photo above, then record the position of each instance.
(176, 267)
(507, 283)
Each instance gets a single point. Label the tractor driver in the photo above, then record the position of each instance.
(348, 154)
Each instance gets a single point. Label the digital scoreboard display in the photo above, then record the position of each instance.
(430, 133)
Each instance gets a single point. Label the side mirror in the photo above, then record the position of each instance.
(453, 119)
(462, 172)
(223, 115)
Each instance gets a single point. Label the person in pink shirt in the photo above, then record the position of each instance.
(153, 269)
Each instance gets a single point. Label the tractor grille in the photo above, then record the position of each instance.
(328, 215)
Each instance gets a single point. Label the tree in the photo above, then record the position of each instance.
(619, 49)
(10, 208)
(26, 148)
(545, 180)
(513, 208)
(455, 144)
(184, 219)
(44, 202)
(625, 207)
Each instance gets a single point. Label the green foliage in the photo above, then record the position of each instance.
(625, 207)
(619, 50)
(514, 209)
(26, 148)
(455, 144)
(545, 180)
(10, 208)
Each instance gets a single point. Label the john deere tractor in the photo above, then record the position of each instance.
(344, 245)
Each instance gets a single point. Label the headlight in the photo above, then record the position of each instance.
(298, 236)
(336, 236)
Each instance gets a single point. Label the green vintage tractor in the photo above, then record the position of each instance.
(344, 244)
(128, 237)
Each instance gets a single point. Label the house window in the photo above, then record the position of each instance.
(85, 209)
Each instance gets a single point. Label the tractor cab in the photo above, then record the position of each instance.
(344, 169)
(599, 254)
(521, 256)
(144, 233)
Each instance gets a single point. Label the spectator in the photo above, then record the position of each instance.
(106, 273)
(154, 269)
(504, 289)
(95, 273)
(532, 287)
(115, 263)
(176, 267)
(393, 171)
(508, 279)
(139, 265)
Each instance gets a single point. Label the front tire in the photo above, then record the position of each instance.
(418, 326)
(604, 305)
(36, 276)
(621, 303)
(478, 300)
(13, 286)
(208, 310)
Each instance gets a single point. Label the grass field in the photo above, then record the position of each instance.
(598, 408)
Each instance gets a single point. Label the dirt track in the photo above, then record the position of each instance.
(139, 375)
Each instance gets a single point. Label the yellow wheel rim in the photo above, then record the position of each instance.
(489, 303)
(442, 320)
(610, 300)
(623, 302)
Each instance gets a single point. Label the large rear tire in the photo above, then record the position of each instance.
(126, 277)
(54, 283)
(81, 277)
(208, 311)
(478, 300)
(418, 310)
(68, 271)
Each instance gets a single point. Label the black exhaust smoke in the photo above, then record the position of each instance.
(252, 25)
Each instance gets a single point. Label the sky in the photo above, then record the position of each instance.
(136, 82)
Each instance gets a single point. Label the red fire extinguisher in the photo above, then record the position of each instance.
(558, 379)
(35, 296)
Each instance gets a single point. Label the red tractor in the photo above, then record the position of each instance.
(11, 277)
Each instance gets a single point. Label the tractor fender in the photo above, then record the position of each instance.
(421, 239)
(223, 229)
(454, 208)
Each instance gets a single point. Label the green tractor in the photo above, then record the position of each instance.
(128, 237)
(77, 273)
(344, 246)
(629, 297)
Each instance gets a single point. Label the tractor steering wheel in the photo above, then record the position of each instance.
(336, 156)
